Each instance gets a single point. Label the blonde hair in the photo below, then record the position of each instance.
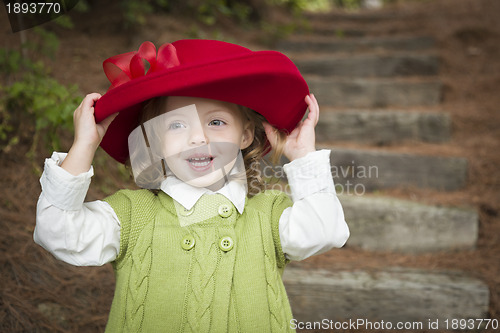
(252, 155)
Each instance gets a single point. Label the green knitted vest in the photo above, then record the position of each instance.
(208, 269)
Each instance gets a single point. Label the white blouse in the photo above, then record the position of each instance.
(88, 234)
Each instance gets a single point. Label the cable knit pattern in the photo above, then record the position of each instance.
(274, 259)
(274, 296)
(199, 311)
(163, 284)
(140, 258)
(138, 286)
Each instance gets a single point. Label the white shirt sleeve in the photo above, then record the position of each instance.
(315, 223)
(81, 234)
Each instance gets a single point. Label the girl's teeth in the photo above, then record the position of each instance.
(200, 162)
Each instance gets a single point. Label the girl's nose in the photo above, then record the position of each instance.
(197, 136)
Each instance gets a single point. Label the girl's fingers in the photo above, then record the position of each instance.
(107, 121)
(89, 100)
(312, 104)
(84, 121)
(93, 97)
(270, 133)
(102, 127)
(316, 105)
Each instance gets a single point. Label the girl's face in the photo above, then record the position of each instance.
(202, 139)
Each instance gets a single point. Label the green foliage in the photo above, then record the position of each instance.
(348, 4)
(274, 32)
(44, 101)
(45, 45)
(135, 11)
(64, 21)
(10, 61)
(33, 105)
(316, 5)
(299, 6)
(208, 11)
(82, 6)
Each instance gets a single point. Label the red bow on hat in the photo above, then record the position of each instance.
(128, 66)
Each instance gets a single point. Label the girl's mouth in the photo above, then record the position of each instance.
(200, 163)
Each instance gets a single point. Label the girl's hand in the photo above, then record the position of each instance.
(87, 132)
(88, 136)
(302, 140)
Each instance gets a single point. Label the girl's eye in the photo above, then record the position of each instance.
(216, 122)
(176, 125)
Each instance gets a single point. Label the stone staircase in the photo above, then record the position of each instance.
(377, 91)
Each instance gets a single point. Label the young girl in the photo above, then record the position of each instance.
(203, 245)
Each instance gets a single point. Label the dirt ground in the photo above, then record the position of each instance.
(41, 294)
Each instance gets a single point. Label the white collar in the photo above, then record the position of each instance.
(188, 195)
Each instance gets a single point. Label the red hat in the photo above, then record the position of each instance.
(265, 81)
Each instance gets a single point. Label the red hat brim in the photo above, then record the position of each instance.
(265, 81)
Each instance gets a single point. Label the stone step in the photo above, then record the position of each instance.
(330, 45)
(359, 171)
(375, 93)
(351, 30)
(388, 224)
(420, 299)
(383, 126)
(371, 65)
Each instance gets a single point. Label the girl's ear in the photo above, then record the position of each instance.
(248, 135)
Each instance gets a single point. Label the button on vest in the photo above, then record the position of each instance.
(188, 242)
(226, 244)
(225, 210)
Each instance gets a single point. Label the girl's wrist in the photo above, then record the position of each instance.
(300, 153)
(84, 147)
(79, 158)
